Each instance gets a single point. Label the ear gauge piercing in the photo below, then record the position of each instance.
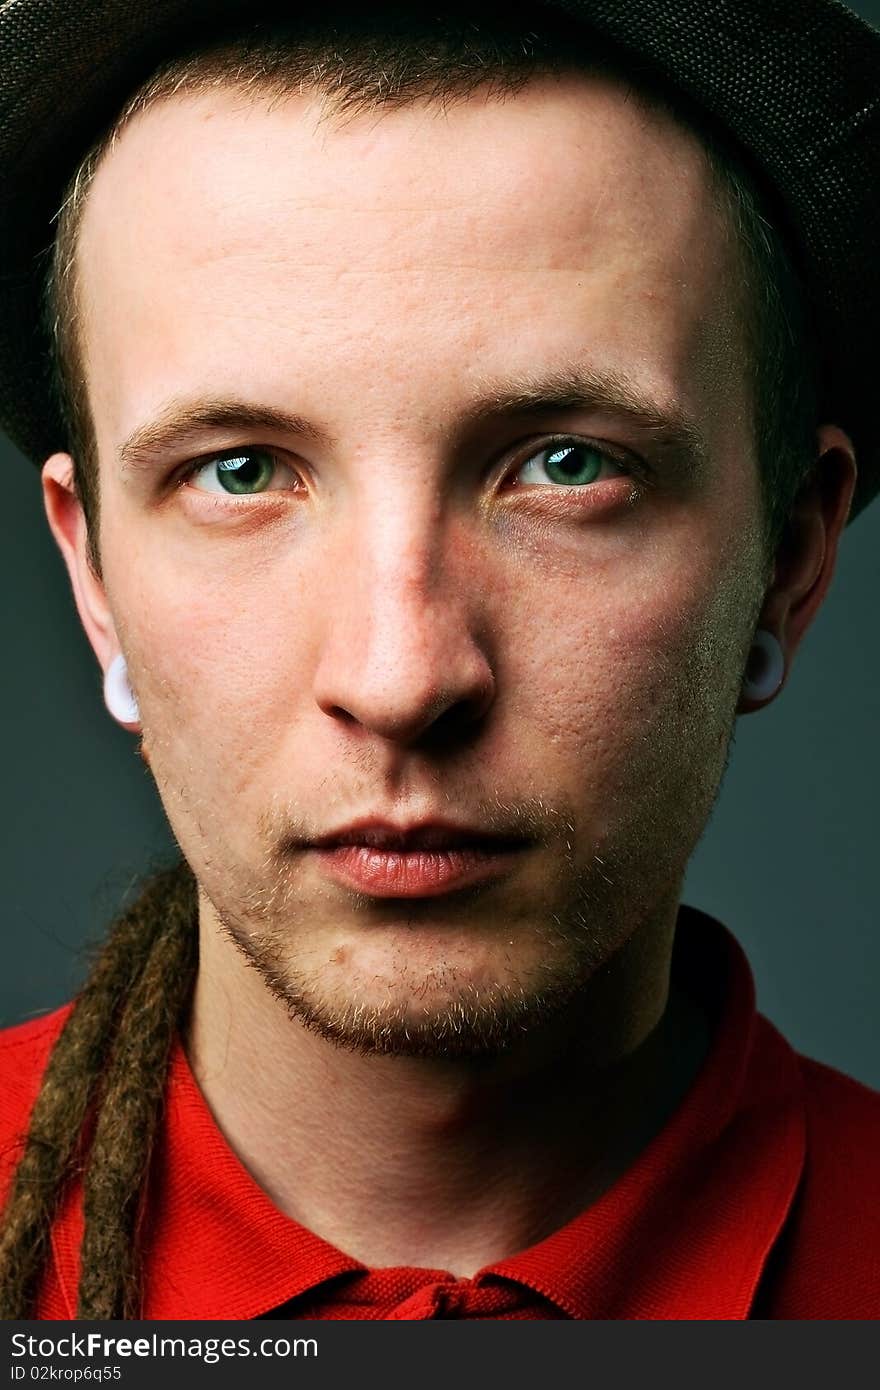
(118, 694)
(766, 667)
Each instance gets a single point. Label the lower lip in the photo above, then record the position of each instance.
(416, 874)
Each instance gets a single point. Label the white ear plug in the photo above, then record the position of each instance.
(770, 667)
(118, 694)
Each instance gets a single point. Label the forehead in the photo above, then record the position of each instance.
(220, 220)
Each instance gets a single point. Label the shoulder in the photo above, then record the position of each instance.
(843, 1143)
(24, 1052)
(832, 1095)
(827, 1262)
(843, 1146)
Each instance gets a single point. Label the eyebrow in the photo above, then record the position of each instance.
(182, 421)
(598, 390)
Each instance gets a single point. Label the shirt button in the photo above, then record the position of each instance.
(431, 1301)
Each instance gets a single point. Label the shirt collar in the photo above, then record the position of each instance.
(686, 1231)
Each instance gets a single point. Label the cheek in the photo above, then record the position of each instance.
(636, 681)
(218, 666)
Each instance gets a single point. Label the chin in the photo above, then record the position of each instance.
(457, 1010)
(451, 1029)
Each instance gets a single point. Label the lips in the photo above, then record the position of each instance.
(425, 860)
(433, 835)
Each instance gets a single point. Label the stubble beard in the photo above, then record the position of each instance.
(464, 1021)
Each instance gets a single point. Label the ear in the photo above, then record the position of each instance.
(67, 523)
(807, 552)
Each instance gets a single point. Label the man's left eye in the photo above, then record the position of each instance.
(242, 472)
(573, 463)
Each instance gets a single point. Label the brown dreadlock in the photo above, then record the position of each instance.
(108, 1065)
(106, 1076)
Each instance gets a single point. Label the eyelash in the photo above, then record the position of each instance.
(627, 464)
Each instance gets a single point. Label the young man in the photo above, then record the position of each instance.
(440, 471)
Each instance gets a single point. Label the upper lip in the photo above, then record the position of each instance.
(424, 835)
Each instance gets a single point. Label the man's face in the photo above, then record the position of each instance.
(414, 604)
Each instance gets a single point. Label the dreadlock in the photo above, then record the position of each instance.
(108, 1067)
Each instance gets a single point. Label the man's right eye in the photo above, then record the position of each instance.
(239, 473)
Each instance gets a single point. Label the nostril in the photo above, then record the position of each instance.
(343, 715)
(460, 721)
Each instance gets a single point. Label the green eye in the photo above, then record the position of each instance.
(242, 472)
(573, 464)
(250, 471)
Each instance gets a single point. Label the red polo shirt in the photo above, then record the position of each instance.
(760, 1198)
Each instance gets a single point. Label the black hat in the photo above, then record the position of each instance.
(794, 84)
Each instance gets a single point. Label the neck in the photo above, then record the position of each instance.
(464, 1163)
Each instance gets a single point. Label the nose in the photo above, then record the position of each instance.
(400, 653)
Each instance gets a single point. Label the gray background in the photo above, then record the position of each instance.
(788, 860)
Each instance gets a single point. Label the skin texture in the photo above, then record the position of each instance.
(411, 623)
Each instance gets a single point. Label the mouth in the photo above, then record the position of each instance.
(423, 861)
